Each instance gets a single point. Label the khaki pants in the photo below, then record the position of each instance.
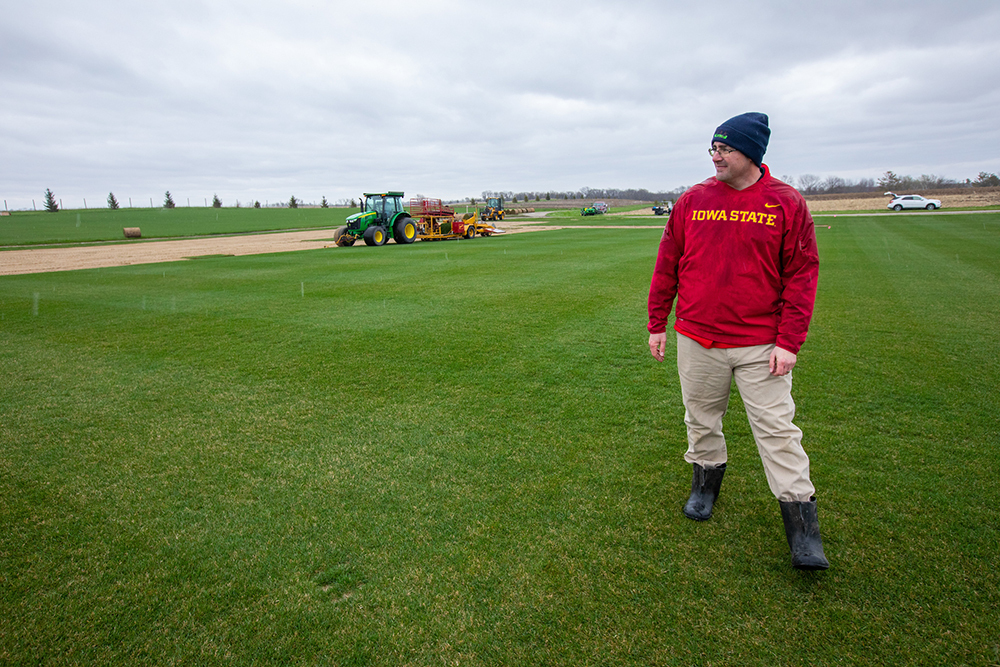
(706, 376)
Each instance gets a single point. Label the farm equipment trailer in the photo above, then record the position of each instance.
(426, 219)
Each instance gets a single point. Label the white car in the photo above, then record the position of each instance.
(899, 202)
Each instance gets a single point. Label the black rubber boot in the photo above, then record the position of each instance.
(705, 485)
(802, 531)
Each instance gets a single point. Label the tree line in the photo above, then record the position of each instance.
(640, 194)
(51, 205)
(807, 184)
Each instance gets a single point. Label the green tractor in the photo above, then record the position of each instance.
(493, 209)
(381, 214)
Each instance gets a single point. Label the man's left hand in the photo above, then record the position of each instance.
(782, 361)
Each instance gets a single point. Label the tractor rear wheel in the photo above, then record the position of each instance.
(405, 231)
(376, 235)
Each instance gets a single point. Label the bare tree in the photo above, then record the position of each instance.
(808, 183)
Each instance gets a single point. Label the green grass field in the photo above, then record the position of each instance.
(462, 453)
(90, 225)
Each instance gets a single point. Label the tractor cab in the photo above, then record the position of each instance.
(385, 206)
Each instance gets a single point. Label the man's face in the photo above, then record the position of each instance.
(733, 168)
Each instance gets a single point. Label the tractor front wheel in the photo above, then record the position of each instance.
(405, 231)
(470, 231)
(342, 238)
(376, 235)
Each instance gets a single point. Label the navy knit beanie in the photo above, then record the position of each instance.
(748, 133)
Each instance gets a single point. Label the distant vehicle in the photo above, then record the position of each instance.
(601, 206)
(899, 202)
(665, 209)
(493, 209)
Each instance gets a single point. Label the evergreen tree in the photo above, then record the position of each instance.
(168, 201)
(889, 181)
(986, 179)
(293, 202)
(256, 204)
(50, 201)
(324, 204)
(112, 202)
(216, 202)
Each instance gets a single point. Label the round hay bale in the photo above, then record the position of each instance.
(132, 232)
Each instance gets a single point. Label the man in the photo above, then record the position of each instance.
(739, 255)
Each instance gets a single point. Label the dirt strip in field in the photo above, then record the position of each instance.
(49, 259)
(43, 260)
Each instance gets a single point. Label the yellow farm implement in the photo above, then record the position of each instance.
(437, 222)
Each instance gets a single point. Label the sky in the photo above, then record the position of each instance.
(265, 100)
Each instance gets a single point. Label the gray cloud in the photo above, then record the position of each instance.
(262, 100)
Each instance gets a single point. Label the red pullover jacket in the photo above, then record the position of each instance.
(742, 265)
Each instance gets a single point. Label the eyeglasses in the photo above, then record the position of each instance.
(722, 150)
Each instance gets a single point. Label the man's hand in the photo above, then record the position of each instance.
(781, 362)
(657, 345)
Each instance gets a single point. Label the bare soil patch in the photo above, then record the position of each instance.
(49, 259)
(44, 260)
